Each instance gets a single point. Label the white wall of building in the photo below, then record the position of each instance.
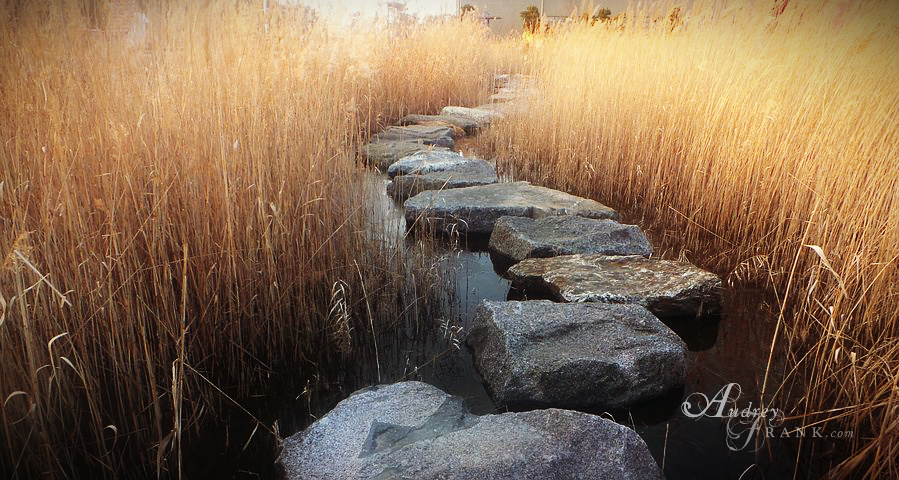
(510, 10)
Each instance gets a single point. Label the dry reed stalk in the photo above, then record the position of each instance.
(223, 129)
(750, 133)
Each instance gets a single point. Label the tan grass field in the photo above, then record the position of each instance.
(766, 147)
(179, 213)
(181, 224)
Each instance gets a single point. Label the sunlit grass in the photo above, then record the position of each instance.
(180, 218)
(765, 146)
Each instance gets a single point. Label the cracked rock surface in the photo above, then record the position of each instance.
(475, 210)
(574, 355)
(520, 237)
(412, 430)
(667, 288)
(383, 154)
(437, 171)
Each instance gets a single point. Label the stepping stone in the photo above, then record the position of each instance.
(414, 430)
(470, 127)
(474, 210)
(482, 117)
(574, 355)
(501, 109)
(428, 134)
(512, 80)
(518, 238)
(509, 88)
(427, 162)
(666, 287)
(504, 97)
(384, 154)
(436, 171)
(474, 173)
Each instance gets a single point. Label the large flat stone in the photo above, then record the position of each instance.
(511, 94)
(545, 354)
(470, 127)
(481, 116)
(504, 109)
(426, 162)
(520, 237)
(465, 173)
(474, 210)
(504, 97)
(666, 287)
(512, 80)
(428, 134)
(384, 154)
(411, 430)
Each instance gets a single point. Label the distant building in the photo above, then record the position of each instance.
(506, 14)
(396, 13)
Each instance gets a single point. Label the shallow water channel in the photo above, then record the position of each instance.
(728, 349)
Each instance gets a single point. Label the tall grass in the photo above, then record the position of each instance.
(181, 222)
(765, 143)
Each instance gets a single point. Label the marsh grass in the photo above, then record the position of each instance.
(181, 225)
(765, 143)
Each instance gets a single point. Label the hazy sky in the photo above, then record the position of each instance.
(379, 7)
(427, 7)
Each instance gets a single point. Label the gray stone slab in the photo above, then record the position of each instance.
(504, 97)
(426, 162)
(474, 210)
(411, 430)
(503, 109)
(574, 355)
(428, 134)
(383, 154)
(481, 116)
(666, 287)
(467, 173)
(470, 127)
(512, 81)
(520, 237)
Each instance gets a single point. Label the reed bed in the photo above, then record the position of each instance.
(763, 141)
(182, 226)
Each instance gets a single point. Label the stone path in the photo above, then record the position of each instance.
(600, 345)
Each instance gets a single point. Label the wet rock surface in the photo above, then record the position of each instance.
(665, 287)
(383, 154)
(518, 238)
(416, 431)
(474, 210)
(540, 353)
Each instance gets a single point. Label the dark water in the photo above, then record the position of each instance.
(730, 348)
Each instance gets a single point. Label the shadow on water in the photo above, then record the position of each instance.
(728, 350)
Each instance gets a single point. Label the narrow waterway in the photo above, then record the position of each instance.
(730, 349)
